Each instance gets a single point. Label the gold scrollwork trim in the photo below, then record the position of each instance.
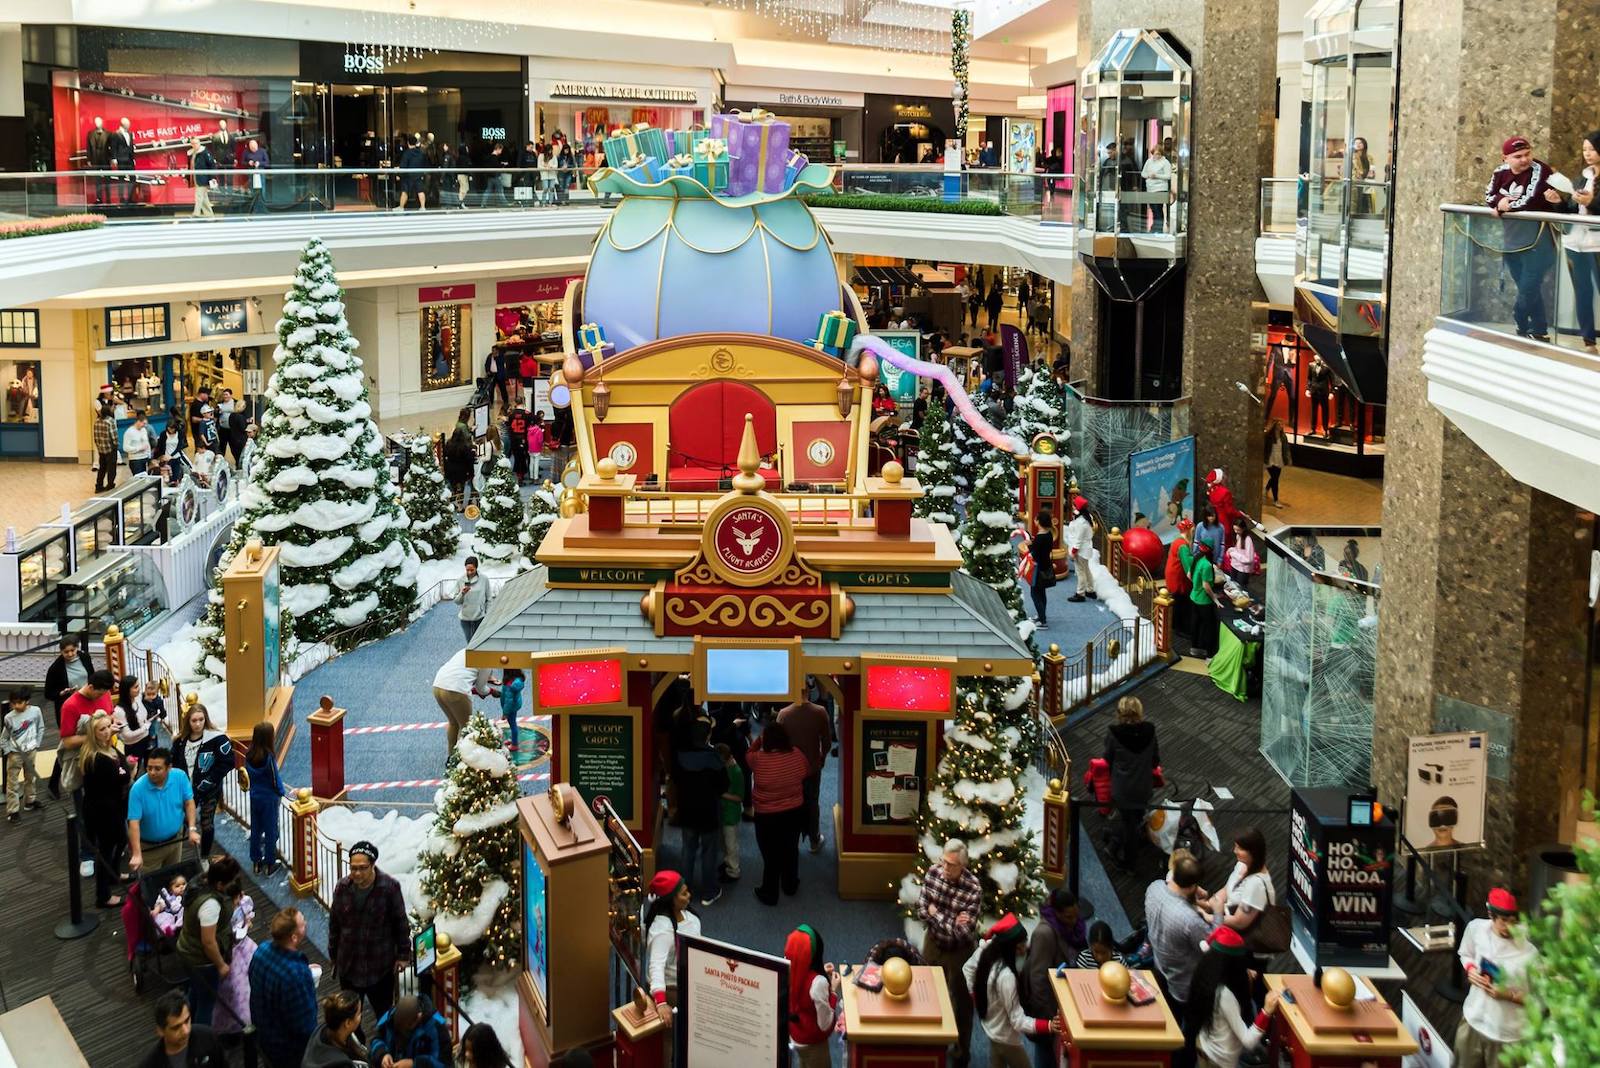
(797, 574)
(698, 573)
(722, 364)
(763, 610)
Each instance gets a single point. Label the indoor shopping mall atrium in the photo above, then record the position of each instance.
(816, 533)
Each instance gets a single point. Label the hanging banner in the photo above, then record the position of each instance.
(1446, 779)
(902, 384)
(1159, 482)
(1015, 344)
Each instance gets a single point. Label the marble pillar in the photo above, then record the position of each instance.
(1483, 577)
(1233, 49)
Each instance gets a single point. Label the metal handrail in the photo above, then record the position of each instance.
(1536, 216)
(319, 171)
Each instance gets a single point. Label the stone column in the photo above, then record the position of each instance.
(1484, 578)
(1233, 49)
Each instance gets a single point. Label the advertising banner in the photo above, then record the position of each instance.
(1341, 880)
(1022, 144)
(733, 1006)
(1446, 778)
(902, 385)
(1015, 344)
(1159, 482)
(535, 929)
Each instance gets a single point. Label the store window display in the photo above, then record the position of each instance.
(445, 346)
(21, 378)
(1318, 412)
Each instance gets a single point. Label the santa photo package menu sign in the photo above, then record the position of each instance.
(733, 1006)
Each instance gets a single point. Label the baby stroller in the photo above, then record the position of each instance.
(146, 944)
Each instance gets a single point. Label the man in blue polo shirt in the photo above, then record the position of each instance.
(160, 809)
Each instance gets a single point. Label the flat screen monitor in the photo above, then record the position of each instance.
(750, 674)
(424, 950)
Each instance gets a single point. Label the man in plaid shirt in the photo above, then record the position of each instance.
(283, 993)
(368, 932)
(948, 908)
(105, 448)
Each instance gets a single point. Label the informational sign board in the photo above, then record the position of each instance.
(535, 926)
(1341, 880)
(733, 1006)
(1446, 779)
(271, 641)
(600, 759)
(1161, 487)
(894, 771)
(253, 380)
(1433, 1050)
(902, 384)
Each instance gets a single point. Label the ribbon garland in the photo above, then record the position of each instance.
(942, 375)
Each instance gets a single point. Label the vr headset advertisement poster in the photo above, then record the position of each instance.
(1446, 776)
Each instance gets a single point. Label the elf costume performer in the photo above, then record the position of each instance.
(813, 997)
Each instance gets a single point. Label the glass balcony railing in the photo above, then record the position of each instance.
(1279, 205)
(1529, 274)
(147, 195)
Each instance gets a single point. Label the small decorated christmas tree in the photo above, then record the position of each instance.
(1038, 408)
(937, 459)
(976, 795)
(425, 496)
(986, 537)
(542, 510)
(500, 519)
(472, 883)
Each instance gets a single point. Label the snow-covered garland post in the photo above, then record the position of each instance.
(320, 486)
(938, 457)
(496, 537)
(471, 883)
(426, 498)
(542, 509)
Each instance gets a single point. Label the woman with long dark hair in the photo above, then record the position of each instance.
(991, 973)
(266, 787)
(132, 721)
(1583, 243)
(1219, 1022)
(481, 1048)
(779, 771)
(1249, 890)
(665, 918)
(206, 755)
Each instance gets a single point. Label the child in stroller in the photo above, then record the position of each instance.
(168, 909)
(147, 943)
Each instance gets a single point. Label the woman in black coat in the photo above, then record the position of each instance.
(105, 806)
(459, 456)
(1134, 756)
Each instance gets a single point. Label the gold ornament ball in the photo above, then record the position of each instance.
(1114, 981)
(893, 472)
(606, 468)
(441, 941)
(896, 978)
(572, 370)
(1338, 989)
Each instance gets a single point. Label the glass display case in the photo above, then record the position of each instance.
(121, 588)
(1131, 206)
(30, 573)
(94, 529)
(138, 503)
(1342, 235)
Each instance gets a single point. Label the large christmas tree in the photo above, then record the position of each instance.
(976, 795)
(542, 510)
(969, 449)
(986, 537)
(500, 519)
(472, 883)
(426, 498)
(938, 457)
(320, 487)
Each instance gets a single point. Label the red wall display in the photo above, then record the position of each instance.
(892, 687)
(631, 442)
(820, 450)
(533, 290)
(577, 683)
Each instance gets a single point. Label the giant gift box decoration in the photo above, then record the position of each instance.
(627, 143)
(758, 153)
(682, 142)
(835, 331)
(711, 164)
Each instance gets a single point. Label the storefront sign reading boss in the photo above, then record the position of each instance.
(608, 91)
(362, 63)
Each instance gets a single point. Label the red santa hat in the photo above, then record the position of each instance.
(1185, 525)
(1006, 929)
(1502, 901)
(1080, 503)
(1224, 940)
(1214, 476)
(665, 883)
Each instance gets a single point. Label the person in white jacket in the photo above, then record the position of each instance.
(21, 734)
(1080, 544)
(136, 445)
(665, 918)
(991, 973)
(1496, 958)
(1217, 1021)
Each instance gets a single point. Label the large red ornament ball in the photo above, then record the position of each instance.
(1145, 546)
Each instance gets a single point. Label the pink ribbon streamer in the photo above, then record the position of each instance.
(940, 374)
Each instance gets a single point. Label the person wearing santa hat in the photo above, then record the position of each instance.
(1217, 1022)
(1523, 183)
(1203, 599)
(666, 916)
(813, 997)
(1080, 543)
(991, 972)
(1221, 498)
(1496, 958)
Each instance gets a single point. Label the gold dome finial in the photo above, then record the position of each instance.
(1114, 981)
(749, 479)
(896, 975)
(1338, 989)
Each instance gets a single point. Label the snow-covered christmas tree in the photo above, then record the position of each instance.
(937, 459)
(471, 883)
(1038, 408)
(976, 795)
(320, 486)
(425, 496)
(500, 518)
(969, 449)
(542, 510)
(986, 543)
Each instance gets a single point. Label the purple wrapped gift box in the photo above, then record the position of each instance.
(758, 153)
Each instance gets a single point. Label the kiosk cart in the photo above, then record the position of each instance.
(1103, 1028)
(138, 502)
(29, 574)
(907, 1024)
(118, 588)
(1345, 1024)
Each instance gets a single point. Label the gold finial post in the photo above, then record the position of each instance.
(749, 478)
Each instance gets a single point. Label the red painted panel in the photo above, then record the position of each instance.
(576, 683)
(836, 433)
(638, 441)
(908, 689)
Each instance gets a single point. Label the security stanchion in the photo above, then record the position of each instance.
(76, 925)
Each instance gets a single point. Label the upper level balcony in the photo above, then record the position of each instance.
(1511, 358)
(181, 230)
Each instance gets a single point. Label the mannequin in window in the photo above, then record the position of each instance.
(1319, 383)
(122, 158)
(1280, 376)
(98, 150)
(224, 146)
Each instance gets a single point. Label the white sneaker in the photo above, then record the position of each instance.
(816, 844)
(86, 868)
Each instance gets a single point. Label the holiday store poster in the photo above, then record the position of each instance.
(1160, 482)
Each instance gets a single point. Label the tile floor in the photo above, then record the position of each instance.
(1317, 498)
(32, 492)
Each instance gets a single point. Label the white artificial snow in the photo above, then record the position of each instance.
(474, 822)
(366, 568)
(356, 612)
(304, 598)
(291, 478)
(494, 1001)
(998, 520)
(317, 554)
(467, 929)
(999, 792)
(1005, 875)
(490, 761)
(347, 387)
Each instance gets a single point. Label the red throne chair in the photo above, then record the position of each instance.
(704, 427)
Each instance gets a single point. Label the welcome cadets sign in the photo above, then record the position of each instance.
(1341, 880)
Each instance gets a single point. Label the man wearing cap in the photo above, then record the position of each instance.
(1496, 960)
(368, 931)
(1522, 183)
(1080, 543)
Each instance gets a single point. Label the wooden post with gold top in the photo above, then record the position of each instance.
(643, 1028)
(1117, 563)
(256, 690)
(447, 983)
(1052, 677)
(907, 1024)
(607, 492)
(327, 751)
(1055, 846)
(892, 494)
(1103, 1028)
(303, 866)
(1161, 620)
(116, 651)
(564, 988)
(1330, 1028)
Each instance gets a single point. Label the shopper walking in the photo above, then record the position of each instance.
(136, 445)
(813, 997)
(368, 930)
(701, 779)
(266, 794)
(1496, 956)
(1522, 183)
(1276, 459)
(812, 733)
(21, 734)
(206, 755)
(1041, 550)
(991, 973)
(1583, 242)
(993, 304)
(948, 908)
(1133, 757)
(472, 598)
(778, 772)
(459, 456)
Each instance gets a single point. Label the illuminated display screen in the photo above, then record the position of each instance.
(747, 672)
(910, 689)
(580, 682)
